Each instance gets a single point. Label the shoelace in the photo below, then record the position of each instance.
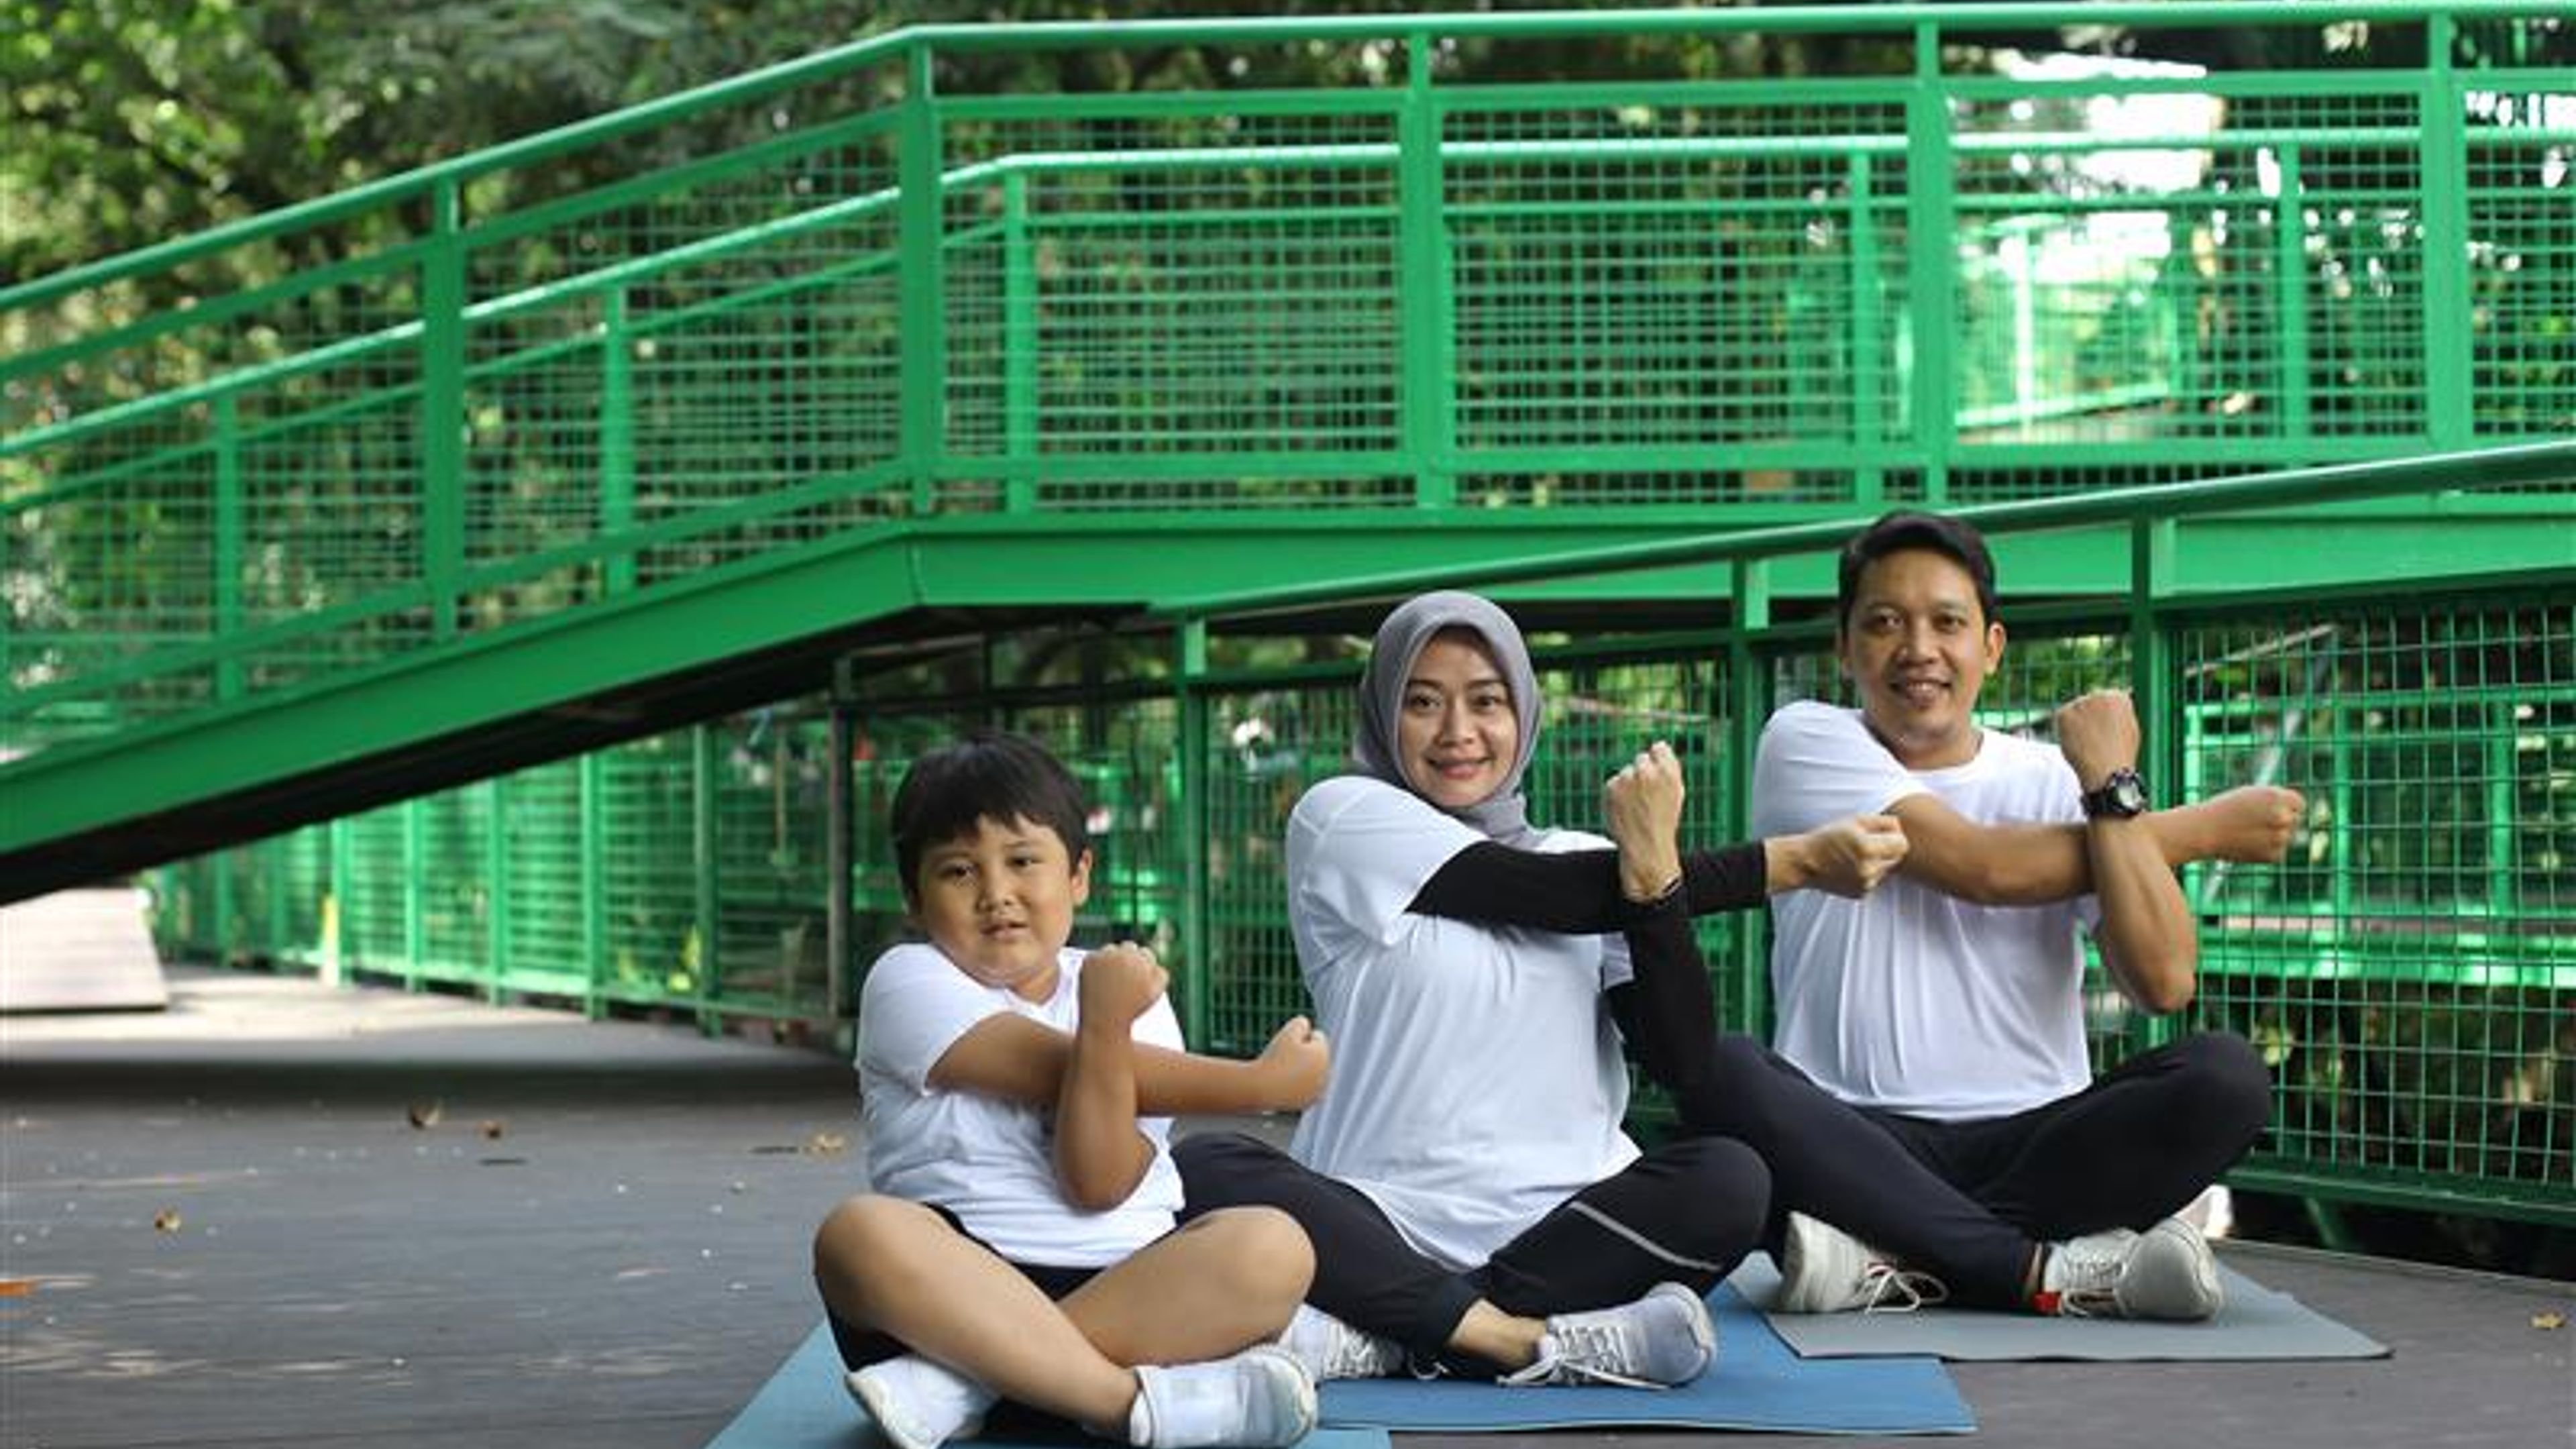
(1886, 1288)
(1578, 1354)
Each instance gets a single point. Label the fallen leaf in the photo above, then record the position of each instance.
(2548, 1322)
(166, 1221)
(425, 1115)
(824, 1144)
(493, 1127)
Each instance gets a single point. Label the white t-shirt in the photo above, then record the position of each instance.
(1911, 999)
(987, 1160)
(1476, 1079)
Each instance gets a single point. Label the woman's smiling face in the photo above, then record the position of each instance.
(1458, 733)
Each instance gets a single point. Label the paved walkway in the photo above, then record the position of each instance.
(277, 1215)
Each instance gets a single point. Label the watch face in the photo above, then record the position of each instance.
(2128, 794)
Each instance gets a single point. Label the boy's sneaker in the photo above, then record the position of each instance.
(920, 1404)
(1332, 1349)
(1262, 1398)
(2165, 1272)
(1826, 1270)
(1658, 1341)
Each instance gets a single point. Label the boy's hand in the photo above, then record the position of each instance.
(1846, 858)
(1642, 806)
(1293, 1065)
(2252, 824)
(1118, 983)
(2098, 733)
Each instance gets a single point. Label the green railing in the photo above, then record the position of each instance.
(880, 283)
(2409, 969)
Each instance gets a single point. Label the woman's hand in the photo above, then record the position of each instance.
(1642, 805)
(1846, 858)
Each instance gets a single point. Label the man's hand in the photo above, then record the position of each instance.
(1642, 805)
(1846, 858)
(1292, 1067)
(2252, 824)
(1118, 983)
(2098, 733)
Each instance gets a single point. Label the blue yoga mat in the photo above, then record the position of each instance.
(1756, 1383)
(803, 1406)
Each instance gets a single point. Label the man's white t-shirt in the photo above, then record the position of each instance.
(1910, 999)
(1476, 1079)
(990, 1161)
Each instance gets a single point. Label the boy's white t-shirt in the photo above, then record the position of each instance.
(1911, 999)
(990, 1161)
(1476, 1080)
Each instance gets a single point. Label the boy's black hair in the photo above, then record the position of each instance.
(988, 774)
(1894, 532)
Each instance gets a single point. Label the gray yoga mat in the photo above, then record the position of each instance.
(2256, 1324)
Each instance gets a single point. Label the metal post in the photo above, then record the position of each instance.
(2449, 346)
(2290, 294)
(1869, 483)
(839, 840)
(2153, 686)
(496, 886)
(1198, 973)
(1422, 264)
(228, 543)
(1931, 227)
(591, 800)
(1019, 349)
(924, 340)
(617, 437)
(442, 408)
(415, 926)
(1748, 690)
(703, 864)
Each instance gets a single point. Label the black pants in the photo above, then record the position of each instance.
(1972, 1201)
(2137, 1145)
(1686, 1212)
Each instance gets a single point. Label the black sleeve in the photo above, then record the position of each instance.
(1668, 1013)
(1577, 891)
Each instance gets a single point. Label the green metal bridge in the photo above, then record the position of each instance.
(578, 536)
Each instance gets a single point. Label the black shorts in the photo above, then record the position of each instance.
(863, 1346)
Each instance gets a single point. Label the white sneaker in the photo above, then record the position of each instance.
(920, 1404)
(1261, 1398)
(1332, 1349)
(1826, 1270)
(2166, 1272)
(1658, 1341)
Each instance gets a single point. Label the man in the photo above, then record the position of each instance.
(1949, 1007)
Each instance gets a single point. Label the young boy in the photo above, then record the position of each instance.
(1019, 1242)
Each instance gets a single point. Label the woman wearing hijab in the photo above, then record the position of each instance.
(1473, 1200)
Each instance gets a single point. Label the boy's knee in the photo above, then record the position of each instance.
(865, 1228)
(1268, 1253)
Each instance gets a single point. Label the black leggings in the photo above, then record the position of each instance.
(1971, 1201)
(1686, 1212)
(2137, 1145)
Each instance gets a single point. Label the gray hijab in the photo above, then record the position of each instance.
(1503, 815)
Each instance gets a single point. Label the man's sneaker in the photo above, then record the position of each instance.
(920, 1404)
(2165, 1272)
(1658, 1341)
(1332, 1349)
(1826, 1270)
(1262, 1398)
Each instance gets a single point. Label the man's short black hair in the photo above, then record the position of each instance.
(989, 774)
(1906, 528)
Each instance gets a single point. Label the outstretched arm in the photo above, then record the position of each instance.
(2013, 864)
(1023, 1061)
